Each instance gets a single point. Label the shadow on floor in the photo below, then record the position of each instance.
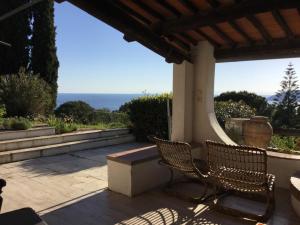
(107, 207)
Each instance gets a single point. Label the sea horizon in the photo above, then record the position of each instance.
(111, 101)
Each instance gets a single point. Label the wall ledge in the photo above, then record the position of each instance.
(283, 155)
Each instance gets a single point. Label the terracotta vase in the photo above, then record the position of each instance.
(257, 132)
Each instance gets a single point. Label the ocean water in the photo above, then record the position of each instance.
(109, 101)
(97, 101)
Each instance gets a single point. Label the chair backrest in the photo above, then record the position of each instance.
(175, 154)
(251, 160)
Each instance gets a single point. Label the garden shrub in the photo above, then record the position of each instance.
(283, 142)
(24, 94)
(148, 116)
(17, 123)
(231, 109)
(79, 111)
(62, 125)
(2, 111)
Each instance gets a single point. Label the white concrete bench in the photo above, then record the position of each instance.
(136, 171)
(295, 192)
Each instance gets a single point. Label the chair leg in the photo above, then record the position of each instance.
(199, 199)
(202, 198)
(171, 180)
(270, 205)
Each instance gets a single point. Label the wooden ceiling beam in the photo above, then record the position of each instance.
(241, 32)
(132, 29)
(277, 49)
(148, 9)
(238, 1)
(233, 12)
(214, 3)
(189, 5)
(130, 11)
(169, 7)
(208, 38)
(261, 29)
(188, 38)
(223, 35)
(164, 4)
(282, 23)
(180, 43)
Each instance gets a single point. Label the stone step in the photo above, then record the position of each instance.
(50, 150)
(33, 132)
(57, 139)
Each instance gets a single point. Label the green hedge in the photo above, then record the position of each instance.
(148, 115)
(104, 116)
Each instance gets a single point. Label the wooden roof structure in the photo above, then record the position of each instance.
(238, 29)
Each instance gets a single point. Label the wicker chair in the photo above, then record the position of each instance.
(241, 170)
(178, 156)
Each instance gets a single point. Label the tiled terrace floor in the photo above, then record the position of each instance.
(71, 189)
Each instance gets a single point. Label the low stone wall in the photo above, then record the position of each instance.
(234, 129)
(283, 166)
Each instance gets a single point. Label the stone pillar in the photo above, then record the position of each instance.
(193, 99)
(205, 124)
(182, 113)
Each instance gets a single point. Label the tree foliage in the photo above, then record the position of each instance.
(43, 56)
(15, 31)
(253, 100)
(231, 109)
(286, 100)
(79, 111)
(24, 94)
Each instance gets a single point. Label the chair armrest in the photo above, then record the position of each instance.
(2, 184)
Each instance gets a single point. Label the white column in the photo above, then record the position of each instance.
(193, 99)
(182, 106)
(205, 126)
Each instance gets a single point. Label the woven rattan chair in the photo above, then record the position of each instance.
(241, 170)
(178, 156)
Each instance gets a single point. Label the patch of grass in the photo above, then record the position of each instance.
(66, 125)
(101, 126)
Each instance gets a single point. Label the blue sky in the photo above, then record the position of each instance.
(94, 58)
